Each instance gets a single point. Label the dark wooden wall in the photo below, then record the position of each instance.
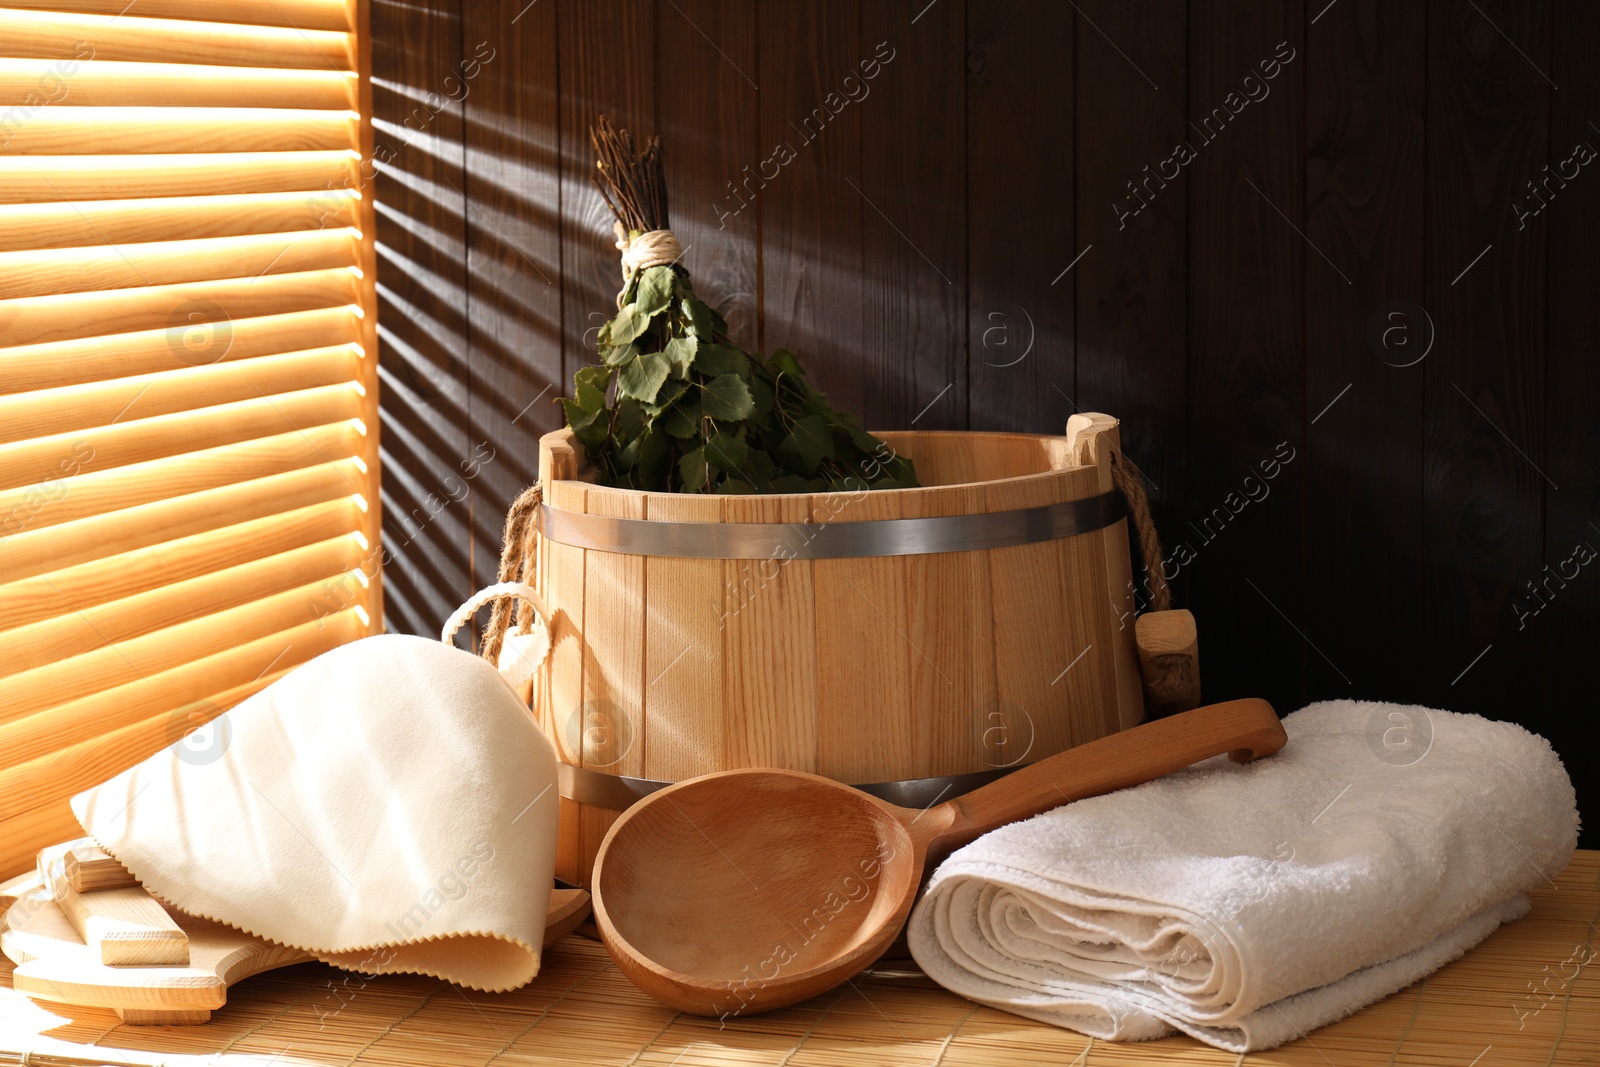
(1356, 364)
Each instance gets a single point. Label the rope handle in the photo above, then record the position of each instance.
(1128, 482)
(518, 559)
(494, 592)
(518, 656)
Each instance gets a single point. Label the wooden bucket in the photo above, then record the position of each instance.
(872, 669)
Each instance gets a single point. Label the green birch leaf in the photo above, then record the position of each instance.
(591, 385)
(817, 436)
(692, 470)
(682, 420)
(699, 317)
(783, 362)
(680, 352)
(727, 397)
(653, 457)
(793, 483)
(642, 379)
(716, 360)
(617, 355)
(761, 391)
(669, 395)
(758, 468)
(726, 452)
(655, 291)
(628, 325)
(587, 426)
(630, 420)
(863, 440)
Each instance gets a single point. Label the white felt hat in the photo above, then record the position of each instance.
(388, 806)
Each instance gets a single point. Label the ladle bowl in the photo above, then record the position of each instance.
(743, 891)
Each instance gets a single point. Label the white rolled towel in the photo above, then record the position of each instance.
(1247, 905)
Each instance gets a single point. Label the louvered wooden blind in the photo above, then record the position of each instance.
(188, 389)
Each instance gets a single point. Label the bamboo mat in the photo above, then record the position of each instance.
(1525, 997)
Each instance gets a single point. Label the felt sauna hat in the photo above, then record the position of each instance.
(389, 806)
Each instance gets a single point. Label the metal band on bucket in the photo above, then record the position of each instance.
(618, 792)
(837, 540)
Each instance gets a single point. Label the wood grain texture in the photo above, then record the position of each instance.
(88, 867)
(606, 51)
(608, 728)
(1131, 288)
(811, 219)
(708, 108)
(1105, 557)
(683, 670)
(1483, 458)
(1365, 184)
(866, 721)
(123, 926)
(950, 627)
(513, 300)
(1020, 120)
(1031, 654)
(1572, 382)
(1247, 270)
(53, 965)
(769, 649)
(914, 226)
(561, 582)
(419, 176)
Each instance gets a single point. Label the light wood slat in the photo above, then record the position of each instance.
(38, 319)
(52, 821)
(80, 407)
(77, 588)
(35, 507)
(55, 364)
(304, 14)
(769, 648)
(23, 695)
(367, 287)
(864, 657)
(52, 179)
(124, 266)
(89, 740)
(37, 552)
(56, 130)
(28, 462)
(35, 83)
(75, 225)
(1025, 583)
(953, 675)
(56, 35)
(683, 696)
(26, 832)
(80, 632)
(560, 689)
(610, 724)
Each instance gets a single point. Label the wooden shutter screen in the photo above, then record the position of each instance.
(188, 381)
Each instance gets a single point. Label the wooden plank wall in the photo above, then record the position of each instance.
(1293, 246)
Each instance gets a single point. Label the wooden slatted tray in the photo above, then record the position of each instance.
(1477, 1012)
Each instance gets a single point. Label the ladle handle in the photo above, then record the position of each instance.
(1245, 729)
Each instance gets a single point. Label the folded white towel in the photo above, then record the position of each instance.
(1246, 905)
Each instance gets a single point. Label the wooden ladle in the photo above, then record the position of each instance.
(744, 891)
